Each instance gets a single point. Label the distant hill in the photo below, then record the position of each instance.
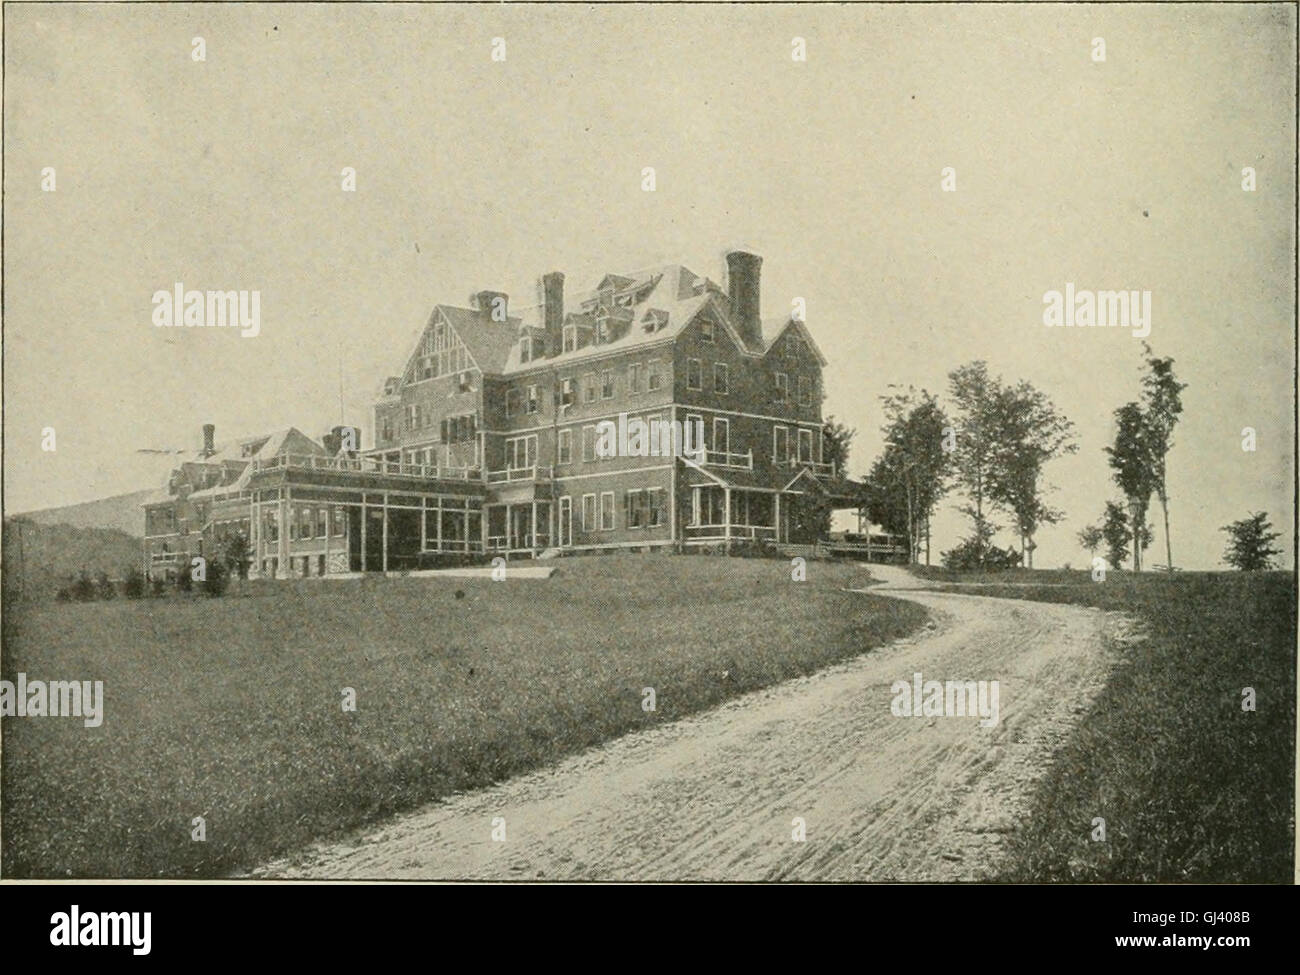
(122, 512)
(39, 558)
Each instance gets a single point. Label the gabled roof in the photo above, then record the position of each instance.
(289, 440)
(774, 328)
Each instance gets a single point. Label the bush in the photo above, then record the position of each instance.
(217, 579)
(968, 555)
(83, 589)
(184, 582)
(104, 587)
(157, 587)
(133, 587)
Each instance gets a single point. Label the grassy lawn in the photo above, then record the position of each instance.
(1192, 788)
(230, 709)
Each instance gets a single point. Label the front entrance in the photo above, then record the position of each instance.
(566, 521)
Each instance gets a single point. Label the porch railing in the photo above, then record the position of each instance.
(725, 458)
(512, 474)
(718, 533)
(366, 465)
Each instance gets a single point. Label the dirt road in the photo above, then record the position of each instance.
(715, 797)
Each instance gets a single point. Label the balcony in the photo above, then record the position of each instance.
(815, 468)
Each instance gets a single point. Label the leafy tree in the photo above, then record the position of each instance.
(909, 478)
(1163, 404)
(1115, 533)
(977, 399)
(184, 569)
(1130, 462)
(1031, 432)
(1091, 538)
(1250, 543)
(216, 578)
(83, 588)
(836, 439)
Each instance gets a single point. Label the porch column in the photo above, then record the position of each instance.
(466, 545)
(282, 550)
(385, 536)
(365, 517)
(424, 520)
(776, 517)
(439, 524)
(533, 528)
(509, 533)
(726, 514)
(329, 517)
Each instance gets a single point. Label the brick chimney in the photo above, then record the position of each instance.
(209, 435)
(483, 302)
(742, 288)
(553, 311)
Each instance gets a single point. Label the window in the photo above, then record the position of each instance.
(589, 388)
(411, 414)
(534, 402)
(721, 378)
(706, 332)
(388, 429)
(635, 508)
(607, 511)
(654, 379)
(410, 458)
(521, 452)
(570, 338)
(419, 419)
(721, 435)
(805, 446)
(658, 514)
(602, 331)
(514, 401)
(568, 393)
(525, 348)
(634, 377)
(694, 371)
(589, 512)
(588, 444)
(780, 445)
(805, 391)
(782, 388)
(565, 447)
(322, 523)
(338, 519)
(607, 384)
(693, 434)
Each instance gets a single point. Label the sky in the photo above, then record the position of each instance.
(480, 174)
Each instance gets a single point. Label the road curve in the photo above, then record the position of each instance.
(715, 796)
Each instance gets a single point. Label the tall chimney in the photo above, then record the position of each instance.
(487, 304)
(742, 288)
(209, 433)
(553, 311)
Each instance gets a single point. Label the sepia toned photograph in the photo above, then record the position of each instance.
(649, 443)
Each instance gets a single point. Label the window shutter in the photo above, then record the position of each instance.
(442, 430)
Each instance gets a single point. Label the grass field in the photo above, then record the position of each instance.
(230, 709)
(1192, 788)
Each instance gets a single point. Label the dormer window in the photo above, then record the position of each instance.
(706, 332)
(570, 338)
(602, 331)
(525, 349)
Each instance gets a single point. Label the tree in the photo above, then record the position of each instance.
(1162, 399)
(1031, 432)
(104, 587)
(1115, 533)
(1091, 538)
(977, 399)
(910, 477)
(237, 553)
(1130, 462)
(134, 586)
(836, 439)
(1250, 543)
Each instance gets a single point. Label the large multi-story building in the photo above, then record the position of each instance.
(497, 437)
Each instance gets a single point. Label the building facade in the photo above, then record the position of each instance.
(656, 411)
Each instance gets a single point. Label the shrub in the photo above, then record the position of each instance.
(217, 578)
(133, 587)
(83, 589)
(157, 587)
(970, 555)
(184, 581)
(104, 587)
